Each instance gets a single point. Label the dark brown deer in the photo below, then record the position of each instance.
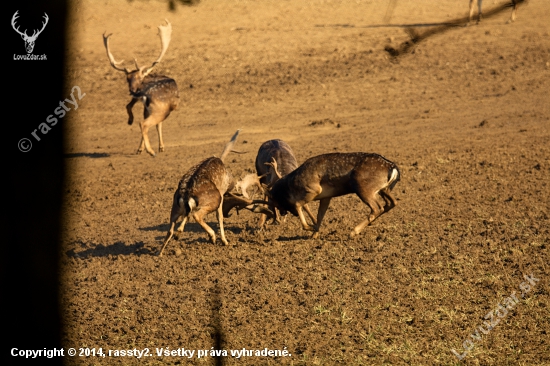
(480, 13)
(370, 176)
(158, 93)
(201, 191)
(275, 152)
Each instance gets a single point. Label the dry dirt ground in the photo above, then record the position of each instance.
(465, 115)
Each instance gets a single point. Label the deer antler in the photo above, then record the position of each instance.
(231, 201)
(273, 165)
(112, 60)
(165, 33)
(35, 34)
(249, 180)
(15, 16)
(24, 34)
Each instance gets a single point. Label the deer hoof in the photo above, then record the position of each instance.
(139, 152)
(315, 235)
(161, 149)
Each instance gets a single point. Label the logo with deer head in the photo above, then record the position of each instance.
(29, 40)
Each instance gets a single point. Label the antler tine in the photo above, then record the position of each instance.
(248, 180)
(13, 19)
(165, 33)
(37, 32)
(273, 164)
(43, 24)
(112, 60)
(231, 201)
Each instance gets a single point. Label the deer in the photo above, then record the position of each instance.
(514, 5)
(29, 40)
(158, 93)
(323, 177)
(203, 189)
(277, 152)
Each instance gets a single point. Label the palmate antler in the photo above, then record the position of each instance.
(231, 201)
(165, 33)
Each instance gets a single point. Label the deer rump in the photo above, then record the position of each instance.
(370, 176)
(202, 186)
(200, 192)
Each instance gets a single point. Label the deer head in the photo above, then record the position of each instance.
(29, 40)
(135, 77)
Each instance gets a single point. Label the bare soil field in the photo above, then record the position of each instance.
(464, 114)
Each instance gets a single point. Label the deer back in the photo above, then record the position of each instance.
(333, 174)
(283, 155)
(156, 88)
(203, 184)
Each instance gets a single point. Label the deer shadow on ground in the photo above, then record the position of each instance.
(190, 227)
(100, 250)
(87, 155)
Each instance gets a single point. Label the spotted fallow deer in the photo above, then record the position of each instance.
(201, 191)
(158, 93)
(323, 177)
(480, 13)
(279, 153)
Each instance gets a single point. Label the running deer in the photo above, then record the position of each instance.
(203, 190)
(158, 93)
(275, 152)
(514, 5)
(320, 178)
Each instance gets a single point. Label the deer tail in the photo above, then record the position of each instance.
(229, 146)
(393, 177)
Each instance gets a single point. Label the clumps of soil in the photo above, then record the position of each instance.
(324, 122)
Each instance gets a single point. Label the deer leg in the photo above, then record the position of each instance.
(199, 218)
(261, 221)
(310, 214)
(161, 143)
(514, 11)
(129, 107)
(148, 123)
(323, 206)
(219, 214)
(168, 237)
(146, 115)
(391, 203)
(371, 201)
(479, 12)
(305, 225)
(141, 146)
(182, 225)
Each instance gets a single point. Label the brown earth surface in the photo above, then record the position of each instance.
(464, 114)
